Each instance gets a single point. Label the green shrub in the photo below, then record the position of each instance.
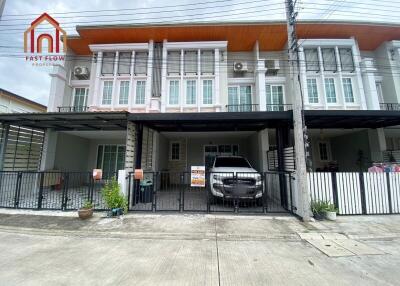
(319, 207)
(331, 208)
(87, 205)
(113, 197)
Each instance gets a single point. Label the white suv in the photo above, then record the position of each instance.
(232, 177)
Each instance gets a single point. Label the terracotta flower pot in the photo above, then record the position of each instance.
(85, 213)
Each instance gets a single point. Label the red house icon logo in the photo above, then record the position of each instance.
(36, 42)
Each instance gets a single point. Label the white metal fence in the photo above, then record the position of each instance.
(357, 193)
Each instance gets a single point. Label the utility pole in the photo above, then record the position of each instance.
(299, 129)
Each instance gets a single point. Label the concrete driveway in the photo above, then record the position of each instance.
(196, 250)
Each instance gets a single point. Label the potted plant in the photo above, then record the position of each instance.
(86, 211)
(330, 212)
(114, 199)
(318, 209)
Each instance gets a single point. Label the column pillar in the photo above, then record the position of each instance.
(368, 79)
(49, 150)
(4, 141)
(130, 148)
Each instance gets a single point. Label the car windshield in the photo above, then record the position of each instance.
(231, 162)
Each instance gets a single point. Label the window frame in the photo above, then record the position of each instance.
(334, 57)
(129, 63)
(186, 81)
(169, 92)
(85, 96)
(119, 92)
(102, 155)
(318, 61)
(186, 73)
(102, 93)
(334, 89)
(351, 90)
(274, 106)
(171, 157)
(352, 59)
(316, 88)
(113, 64)
(239, 97)
(202, 91)
(136, 92)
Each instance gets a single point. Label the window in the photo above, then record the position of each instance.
(190, 62)
(123, 92)
(346, 60)
(274, 97)
(329, 59)
(110, 158)
(207, 62)
(348, 90)
(190, 92)
(330, 90)
(175, 151)
(107, 92)
(124, 63)
(107, 66)
(207, 91)
(311, 57)
(174, 63)
(80, 97)
(323, 151)
(312, 90)
(173, 92)
(141, 63)
(239, 98)
(140, 92)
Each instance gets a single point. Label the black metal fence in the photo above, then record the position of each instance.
(51, 190)
(241, 192)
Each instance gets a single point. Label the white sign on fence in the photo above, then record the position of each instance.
(198, 176)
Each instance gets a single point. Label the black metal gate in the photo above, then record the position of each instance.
(241, 192)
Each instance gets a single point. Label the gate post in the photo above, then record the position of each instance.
(282, 142)
(335, 190)
(40, 198)
(389, 192)
(362, 193)
(17, 189)
(181, 193)
(65, 192)
(154, 193)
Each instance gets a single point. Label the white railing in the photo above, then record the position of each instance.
(357, 193)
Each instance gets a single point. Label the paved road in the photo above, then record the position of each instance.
(191, 250)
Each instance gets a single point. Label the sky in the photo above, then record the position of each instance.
(20, 77)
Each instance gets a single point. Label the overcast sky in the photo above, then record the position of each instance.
(20, 77)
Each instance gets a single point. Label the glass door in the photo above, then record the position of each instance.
(80, 98)
(274, 97)
(239, 98)
(110, 158)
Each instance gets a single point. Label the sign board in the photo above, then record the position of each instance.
(198, 176)
(138, 174)
(97, 174)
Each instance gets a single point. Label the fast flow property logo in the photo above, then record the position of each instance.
(43, 48)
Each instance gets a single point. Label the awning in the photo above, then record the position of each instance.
(201, 121)
(68, 121)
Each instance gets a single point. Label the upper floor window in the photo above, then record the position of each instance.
(173, 98)
(107, 66)
(141, 63)
(207, 91)
(329, 59)
(190, 92)
(311, 57)
(140, 92)
(330, 90)
(312, 90)
(239, 98)
(174, 63)
(124, 63)
(107, 92)
(190, 62)
(348, 90)
(346, 59)
(123, 92)
(274, 97)
(207, 62)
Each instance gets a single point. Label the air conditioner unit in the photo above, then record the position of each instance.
(272, 67)
(81, 72)
(240, 67)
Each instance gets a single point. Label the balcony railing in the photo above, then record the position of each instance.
(390, 106)
(73, 108)
(242, 107)
(279, 107)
